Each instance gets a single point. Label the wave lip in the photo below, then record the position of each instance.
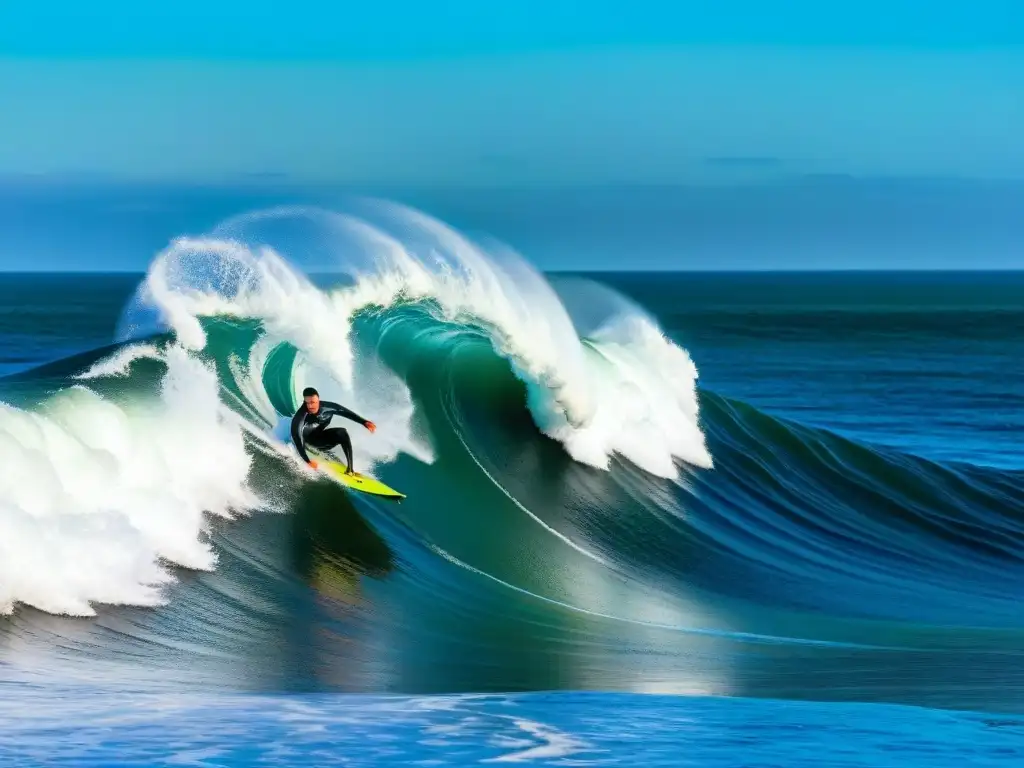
(624, 388)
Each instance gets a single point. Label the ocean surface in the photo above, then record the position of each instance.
(714, 519)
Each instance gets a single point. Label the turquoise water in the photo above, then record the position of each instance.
(841, 587)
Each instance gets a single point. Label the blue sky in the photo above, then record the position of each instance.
(397, 30)
(550, 92)
(535, 94)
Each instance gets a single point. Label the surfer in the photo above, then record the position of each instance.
(309, 427)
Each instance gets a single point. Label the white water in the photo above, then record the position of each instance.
(96, 497)
(119, 363)
(627, 391)
(93, 494)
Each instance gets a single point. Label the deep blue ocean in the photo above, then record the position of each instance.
(653, 518)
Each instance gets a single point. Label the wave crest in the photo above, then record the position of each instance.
(625, 389)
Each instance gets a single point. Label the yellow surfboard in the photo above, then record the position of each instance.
(356, 481)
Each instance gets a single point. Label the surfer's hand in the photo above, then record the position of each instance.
(371, 426)
(312, 464)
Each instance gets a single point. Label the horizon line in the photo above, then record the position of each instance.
(743, 175)
(607, 271)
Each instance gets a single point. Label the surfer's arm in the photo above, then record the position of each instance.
(297, 419)
(336, 409)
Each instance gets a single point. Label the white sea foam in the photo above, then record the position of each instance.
(625, 389)
(119, 363)
(96, 497)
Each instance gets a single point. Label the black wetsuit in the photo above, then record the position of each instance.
(311, 429)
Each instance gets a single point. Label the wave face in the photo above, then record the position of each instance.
(579, 516)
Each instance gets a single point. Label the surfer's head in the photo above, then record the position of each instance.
(312, 399)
